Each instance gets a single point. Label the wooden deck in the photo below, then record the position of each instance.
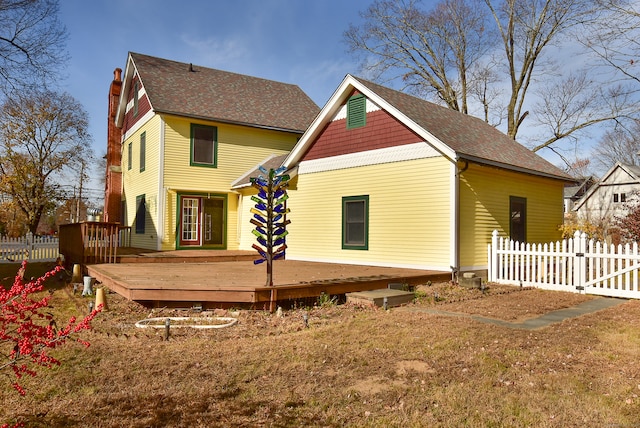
(197, 279)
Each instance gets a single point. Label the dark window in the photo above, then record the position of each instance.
(129, 155)
(136, 89)
(204, 145)
(143, 150)
(616, 198)
(355, 222)
(518, 221)
(356, 111)
(141, 213)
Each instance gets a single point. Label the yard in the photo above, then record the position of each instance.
(350, 366)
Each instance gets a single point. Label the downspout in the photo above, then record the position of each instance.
(162, 193)
(455, 238)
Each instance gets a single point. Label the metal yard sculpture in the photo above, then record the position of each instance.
(269, 217)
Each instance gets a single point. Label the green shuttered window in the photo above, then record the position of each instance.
(143, 151)
(356, 111)
(355, 222)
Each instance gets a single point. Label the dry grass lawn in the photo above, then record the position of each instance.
(351, 366)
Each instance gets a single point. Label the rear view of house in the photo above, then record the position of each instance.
(182, 135)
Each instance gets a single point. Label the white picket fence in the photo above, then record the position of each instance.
(31, 248)
(575, 264)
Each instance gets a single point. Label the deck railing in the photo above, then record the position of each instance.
(93, 242)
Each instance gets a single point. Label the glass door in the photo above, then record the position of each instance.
(190, 225)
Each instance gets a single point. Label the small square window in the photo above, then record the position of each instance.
(204, 145)
(355, 222)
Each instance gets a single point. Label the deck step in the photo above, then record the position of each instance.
(377, 297)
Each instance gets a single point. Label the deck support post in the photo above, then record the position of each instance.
(273, 299)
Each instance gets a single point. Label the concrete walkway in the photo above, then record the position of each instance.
(587, 307)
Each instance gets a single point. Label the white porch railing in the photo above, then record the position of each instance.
(574, 264)
(31, 248)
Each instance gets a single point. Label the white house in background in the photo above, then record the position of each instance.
(572, 194)
(608, 198)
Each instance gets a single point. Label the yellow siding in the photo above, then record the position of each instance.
(408, 226)
(484, 206)
(239, 150)
(136, 183)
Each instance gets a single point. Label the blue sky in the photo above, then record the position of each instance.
(293, 41)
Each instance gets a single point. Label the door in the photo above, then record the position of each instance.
(213, 230)
(518, 224)
(202, 221)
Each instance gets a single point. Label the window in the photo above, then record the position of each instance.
(136, 89)
(356, 111)
(518, 221)
(129, 155)
(204, 145)
(141, 213)
(619, 197)
(143, 149)
(355, 222)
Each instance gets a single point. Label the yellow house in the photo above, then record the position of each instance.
(383, 178)
(185, 134)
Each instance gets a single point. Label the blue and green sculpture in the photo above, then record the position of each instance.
(269, 217)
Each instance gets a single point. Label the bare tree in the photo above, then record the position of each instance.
(43, 135)
(615, 41)
(619, 145)
(32, 43)
(496, 54)
(432, 53)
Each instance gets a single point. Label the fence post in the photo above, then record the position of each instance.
(579, 243)
(494, 257)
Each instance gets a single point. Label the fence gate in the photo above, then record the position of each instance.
(574, 264)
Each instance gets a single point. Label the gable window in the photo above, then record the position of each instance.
(204, 145)
(143, 150)
(129, 155)
(356, 111)
(619, 197)
(518, 220)
(355, 222)
(141, 213)
(136, 90)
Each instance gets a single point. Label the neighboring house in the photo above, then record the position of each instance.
(573, 193)
(387, 179)
(608, 198)
(182, 135)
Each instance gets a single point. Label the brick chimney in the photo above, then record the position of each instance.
(113, 181)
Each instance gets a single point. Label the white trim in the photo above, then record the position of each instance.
(341, 114)
(370, 263)
(129, 107)
(139, 124)
(333, 106)
(370, 157)
(162, 194)
(454, 227)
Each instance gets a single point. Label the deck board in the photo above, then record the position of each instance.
(226, 283)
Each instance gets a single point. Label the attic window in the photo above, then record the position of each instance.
(136, 90)
(619, 197)
(356, 111)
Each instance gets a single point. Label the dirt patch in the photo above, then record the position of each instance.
(507, 303)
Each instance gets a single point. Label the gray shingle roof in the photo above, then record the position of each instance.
(468, 136)
(190, 90)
